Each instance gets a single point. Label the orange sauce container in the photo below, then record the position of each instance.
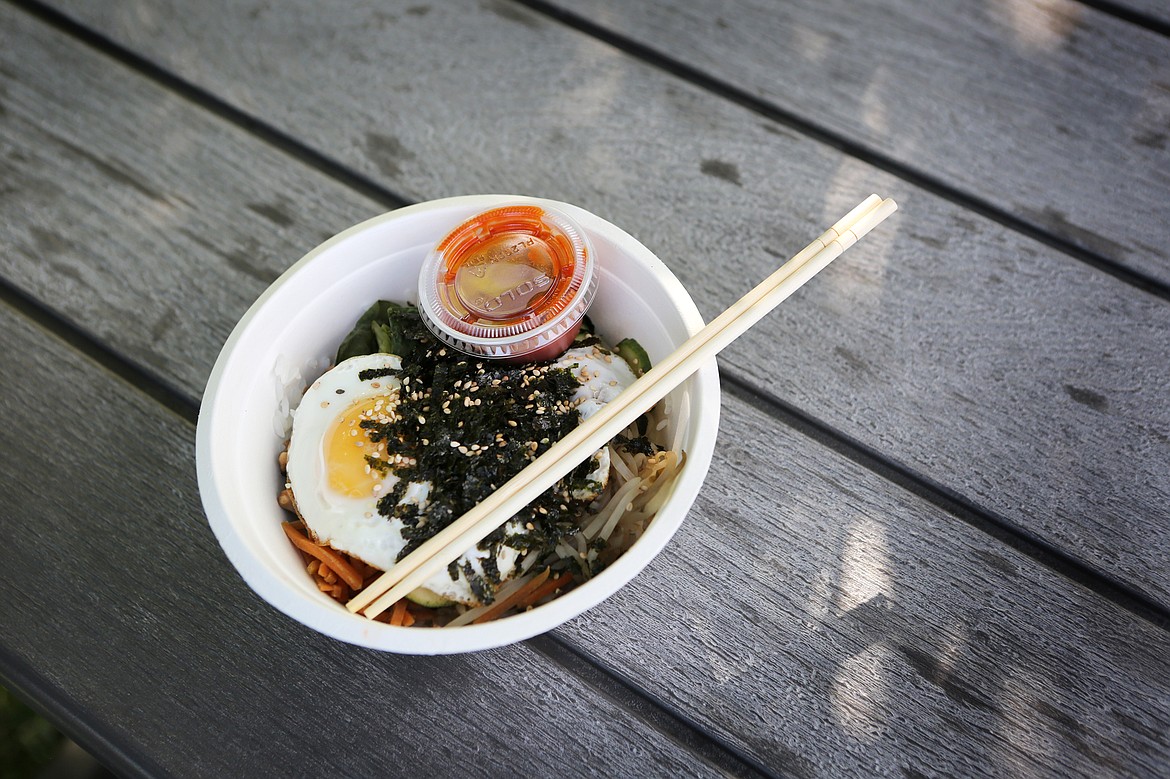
(510, 283)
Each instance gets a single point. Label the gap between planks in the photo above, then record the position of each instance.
(1130, 15)
(208, 102)
(40, 695)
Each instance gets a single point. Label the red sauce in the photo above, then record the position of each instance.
(511, 283)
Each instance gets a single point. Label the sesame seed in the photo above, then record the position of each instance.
(421, 419)
(512, 423)
(454, 444)
(463, 450)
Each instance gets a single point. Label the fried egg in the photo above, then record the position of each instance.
(337, 491)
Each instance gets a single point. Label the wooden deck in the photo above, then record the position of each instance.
(935, 539)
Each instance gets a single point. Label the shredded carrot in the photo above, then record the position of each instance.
(547, 589)
(326, 555)
(500, 606)
(398, 613)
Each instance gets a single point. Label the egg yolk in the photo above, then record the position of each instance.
(347, 445)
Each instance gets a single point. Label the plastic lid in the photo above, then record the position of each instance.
(509, 283)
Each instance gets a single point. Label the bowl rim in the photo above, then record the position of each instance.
(704, 398)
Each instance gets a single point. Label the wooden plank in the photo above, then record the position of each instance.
(828, 624)
(1051, 111)
(116, 592)
(1022, 381)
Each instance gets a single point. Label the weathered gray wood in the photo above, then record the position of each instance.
(817, 618)
(158, 239)
(873, 670)
(1024, 381)
(829, 624)
(116, 593)
(1051, 111)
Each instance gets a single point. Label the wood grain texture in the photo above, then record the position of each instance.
(1047, 109)
(1027, 383)
(115, 591)
(830, 625)
(159, 238)
(862, 632)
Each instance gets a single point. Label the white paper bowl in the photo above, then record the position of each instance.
(295, 327)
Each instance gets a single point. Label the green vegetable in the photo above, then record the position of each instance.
(586, 336)
(384, 327)
(635, 356)
(383, 337)
(428, 598)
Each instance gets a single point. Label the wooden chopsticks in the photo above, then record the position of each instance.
(435, 554)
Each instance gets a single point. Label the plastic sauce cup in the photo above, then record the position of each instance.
(512, 283)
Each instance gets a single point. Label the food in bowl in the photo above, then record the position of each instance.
(405, 434)
(290, 334)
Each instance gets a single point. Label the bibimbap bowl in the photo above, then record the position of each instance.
(288, 338)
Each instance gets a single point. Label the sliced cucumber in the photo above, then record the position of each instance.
(428, 598)
(635, 356)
